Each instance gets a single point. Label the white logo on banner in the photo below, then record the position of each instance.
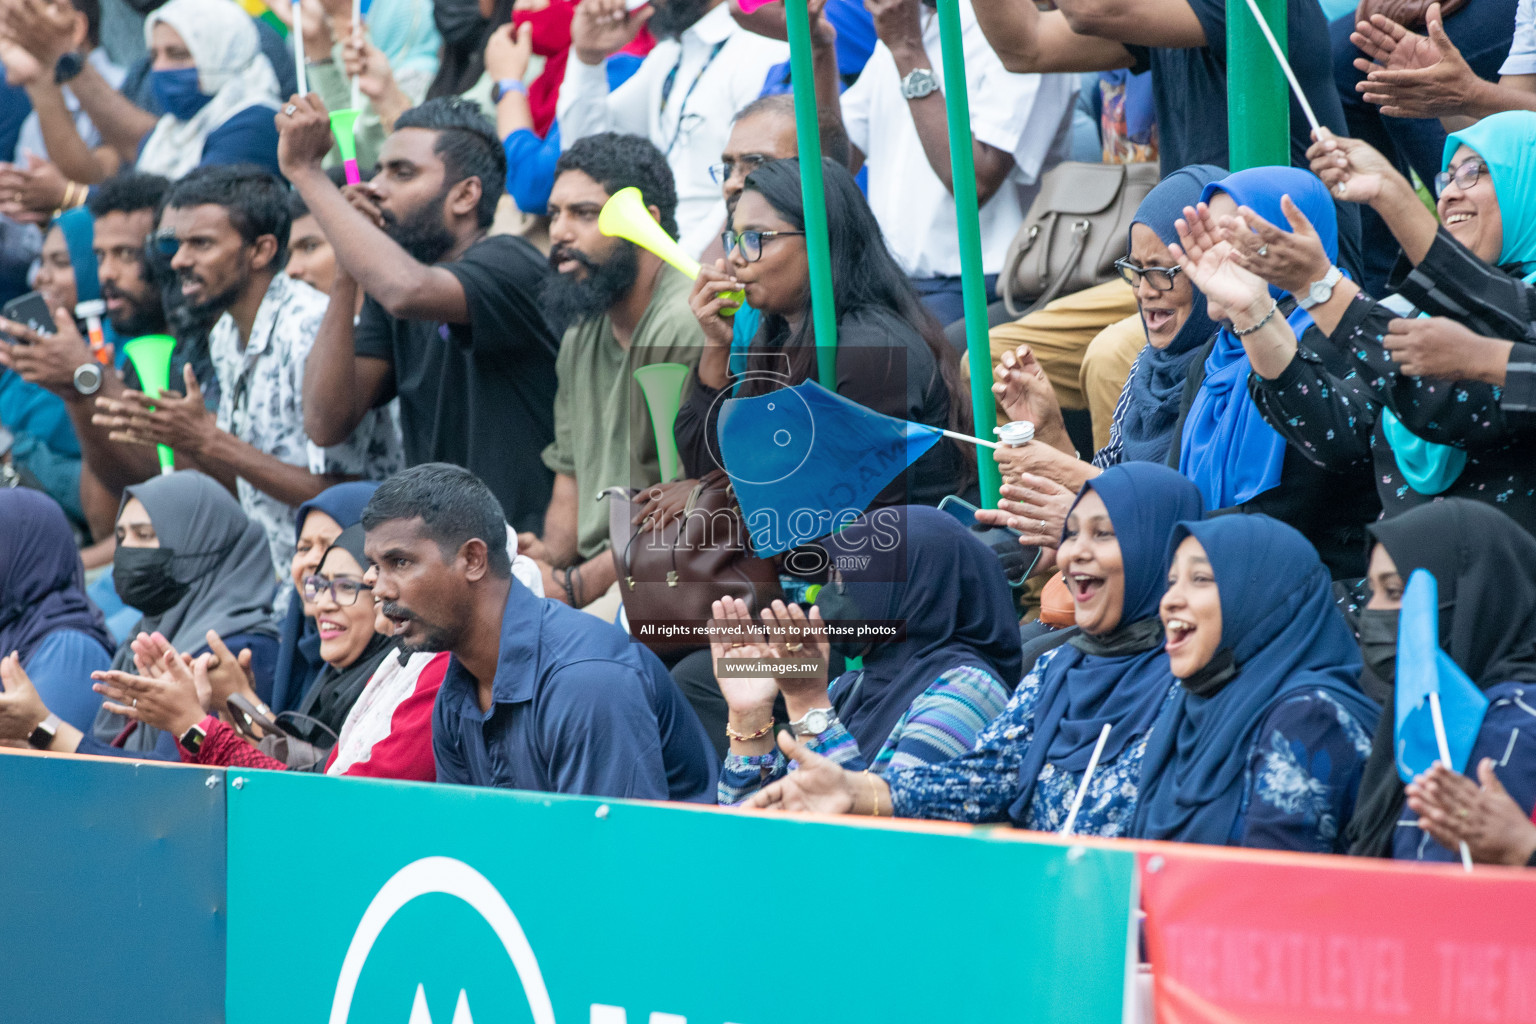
(451, 878)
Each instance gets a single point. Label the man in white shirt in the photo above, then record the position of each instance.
(896, 120)
(683, 97)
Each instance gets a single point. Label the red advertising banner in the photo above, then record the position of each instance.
(1254, 937)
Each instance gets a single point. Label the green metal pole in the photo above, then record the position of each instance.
(797, 20)
(973, 285)
(1258, 96)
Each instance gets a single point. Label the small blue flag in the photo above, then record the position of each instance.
(806, 461)
(1424, 668)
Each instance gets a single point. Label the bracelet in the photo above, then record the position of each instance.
(874, 793)
(577, 589)
(565, 582)
(1273, 308)
(732, 734)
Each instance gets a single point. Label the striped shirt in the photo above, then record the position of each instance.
(940, 724)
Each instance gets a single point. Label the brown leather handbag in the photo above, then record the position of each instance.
(670, 576)
(1075, 230)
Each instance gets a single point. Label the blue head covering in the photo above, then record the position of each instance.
(1506, 143)
(1285, 636)
(298, 659)
(407, 35)
(1227, 449)
(1157, 379)
(42, 584)
(1081, 692)
(931, 573)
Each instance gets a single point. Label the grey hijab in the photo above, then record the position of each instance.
(225, 558)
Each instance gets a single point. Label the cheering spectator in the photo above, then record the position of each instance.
(895, 120)
(1226, 446)
(1487, 626)
(317, 524)
(123, 211)
(1423, 438)
(627, 309)
(891, 355)
(703, 70)
(1264, 743)
(231, 228)
(451, 323)
(537, 695)
(198, 570)
(1028, 763)
(915, 701)
(58, 636)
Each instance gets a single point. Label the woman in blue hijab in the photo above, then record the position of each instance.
(1028, 763)
(45, 616)
(915, 700)
(1227, 447)
(317, 524)
(1265, 741)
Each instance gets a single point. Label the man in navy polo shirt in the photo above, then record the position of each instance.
(537, 695)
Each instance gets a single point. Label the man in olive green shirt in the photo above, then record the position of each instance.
(627, 309)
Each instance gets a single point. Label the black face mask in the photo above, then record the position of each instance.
(144, 581)
(1378, 642)
(838, 608)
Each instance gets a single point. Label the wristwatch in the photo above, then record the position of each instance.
(67, 67)
(504, 86)
(88, 378)
(1319, 292)
(42, 736)
(192, 740)
(919, 82)
(815, 722)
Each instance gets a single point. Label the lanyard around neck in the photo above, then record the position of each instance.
(671, 80)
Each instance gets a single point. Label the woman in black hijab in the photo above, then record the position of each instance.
(1483, 563)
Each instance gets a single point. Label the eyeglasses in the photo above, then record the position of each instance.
(1160, 278)
(1464, 176)
(751, 242)
(721, 172)
(343, 589)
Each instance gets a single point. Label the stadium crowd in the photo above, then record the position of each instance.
(406, 488)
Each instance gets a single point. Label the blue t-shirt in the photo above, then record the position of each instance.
(576, 708)
(61, 666)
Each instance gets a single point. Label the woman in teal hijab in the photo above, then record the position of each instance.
(1422, 438)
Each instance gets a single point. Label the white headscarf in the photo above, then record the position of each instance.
(230, 67)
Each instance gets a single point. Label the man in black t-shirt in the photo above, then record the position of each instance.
(451, 323)
(1184, 44)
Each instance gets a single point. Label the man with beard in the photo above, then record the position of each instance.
(231, 226)
(627, 309)
(451, 323)
(537, 696)
(682, 98)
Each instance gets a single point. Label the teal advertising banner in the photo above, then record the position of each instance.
(364, 901)
(111, 892)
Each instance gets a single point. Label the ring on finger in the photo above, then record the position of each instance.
(135, 702)
(1042, 524)
(290, 110)
(796, 646)
(1263, 250)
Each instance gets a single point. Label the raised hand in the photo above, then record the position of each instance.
(1024, 392)
(709, 296)
(1212, 265)
(749, 697)
(1351, 169)
(1037, 507)
(21, 709)
(1454, 810)
(1290, 260)
(791, 634)
(1388, 44)
(1430, 79)
(167, 700)
(508, 51)
(602, 28)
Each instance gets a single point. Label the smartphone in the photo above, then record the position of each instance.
(1016, 559)
(30, 310)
